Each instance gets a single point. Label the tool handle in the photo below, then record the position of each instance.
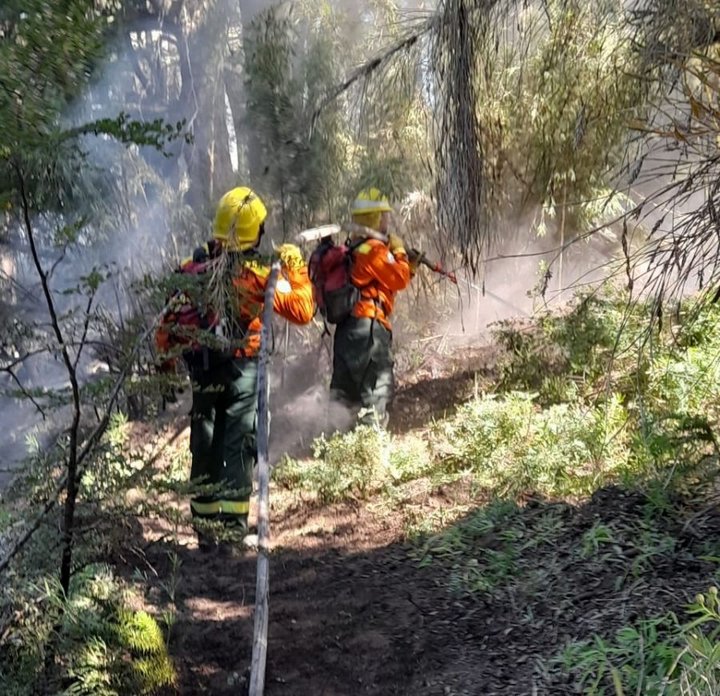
(434, 266)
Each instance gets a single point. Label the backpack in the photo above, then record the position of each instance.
(330, 269)
(190, 322)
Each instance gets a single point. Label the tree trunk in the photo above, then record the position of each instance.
(250, 10)
(235, 89)
(208, 156)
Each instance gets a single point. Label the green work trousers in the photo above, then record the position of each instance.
(223, 438)
(363, 368)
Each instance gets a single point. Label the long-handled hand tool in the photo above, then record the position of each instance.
(317, 233)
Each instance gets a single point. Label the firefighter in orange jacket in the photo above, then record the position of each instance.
(224, 382)
(362, 347)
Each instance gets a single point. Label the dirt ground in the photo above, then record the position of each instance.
(353, 612)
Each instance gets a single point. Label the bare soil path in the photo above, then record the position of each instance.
(352, 611)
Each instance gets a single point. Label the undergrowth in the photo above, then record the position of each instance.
(93, 643)
(584, 467)
(95, 640)
(659, 655)
(578, 406)
(356, 465)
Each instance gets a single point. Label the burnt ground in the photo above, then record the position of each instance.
(354, 611)
(441, 383)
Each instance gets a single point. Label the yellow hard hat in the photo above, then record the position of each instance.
(239, 215)
(370, 201)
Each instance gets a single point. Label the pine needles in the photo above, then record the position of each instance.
(464, 179)
(679, 161)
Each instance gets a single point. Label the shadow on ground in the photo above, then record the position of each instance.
(347, 622)
(441, 384)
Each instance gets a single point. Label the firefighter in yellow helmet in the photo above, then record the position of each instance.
(224, 380)
(362, 347)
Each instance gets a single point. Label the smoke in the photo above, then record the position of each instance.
(521, 278)
(300, 404)
(300, 418)
(138, 226)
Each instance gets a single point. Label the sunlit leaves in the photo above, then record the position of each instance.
(126, 130)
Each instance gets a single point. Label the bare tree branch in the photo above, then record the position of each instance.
(86, 326)
(17, 361)
(26, 393)
(87, 448)
(72, 462)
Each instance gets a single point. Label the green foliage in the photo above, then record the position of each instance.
(577, 350)
(356, 465)
(312, 163)
(658, 655)
(156, 134)
(47, 52)
(409, 459)
(99, 644)
(579, 89)
(347, 466)
(686, 378)
(601, 355)
(493, 548)
(542, 124)
(302, 161)
(641, 652)
(603, 413)
(457, 548)
(511, 446)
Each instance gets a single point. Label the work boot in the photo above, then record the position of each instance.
(206, 543)
(238, 541)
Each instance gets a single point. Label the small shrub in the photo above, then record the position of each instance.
(559, 352)
(346, 466)
(512, 446)
(102, 646)
(653, 656)
(409, 459)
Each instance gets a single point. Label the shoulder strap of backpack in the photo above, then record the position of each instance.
(353, 244)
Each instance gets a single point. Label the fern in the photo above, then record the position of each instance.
(152, 673)
(139, 632)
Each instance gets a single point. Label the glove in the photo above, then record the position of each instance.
(291, 256)
(414, 258)
(395, 244)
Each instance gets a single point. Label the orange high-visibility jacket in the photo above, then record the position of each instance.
(293, 301)
(379, 274)
(293, 298)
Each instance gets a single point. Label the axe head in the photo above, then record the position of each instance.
(315, 234)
